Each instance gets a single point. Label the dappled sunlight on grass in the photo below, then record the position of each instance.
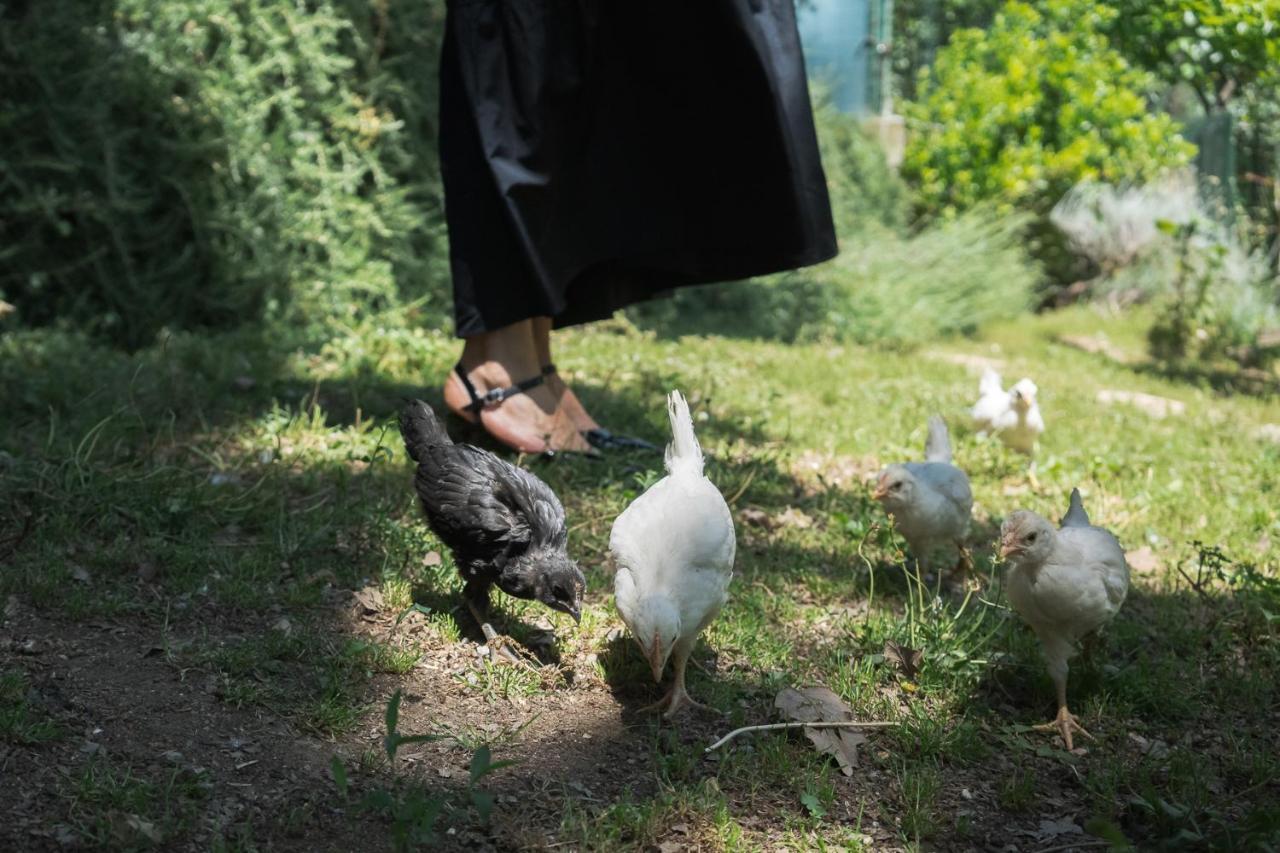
(231, 500)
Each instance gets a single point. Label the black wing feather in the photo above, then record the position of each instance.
(485, 507)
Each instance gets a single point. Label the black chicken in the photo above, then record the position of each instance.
(503, 525)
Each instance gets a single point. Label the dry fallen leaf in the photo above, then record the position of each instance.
(1051, 829)
(792, 517)
(906, 660)
(370, 599)
(754, 517)
(431, 558)
(129, 829)
(820, 705)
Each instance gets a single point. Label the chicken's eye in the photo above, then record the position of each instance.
(1031, 537)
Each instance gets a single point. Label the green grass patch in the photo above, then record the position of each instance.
(166, 487)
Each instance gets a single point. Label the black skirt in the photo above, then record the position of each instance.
(596, 153)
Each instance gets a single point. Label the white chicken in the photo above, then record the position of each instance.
(1065, 584)
(930, 501)
(1013, 415)
(673, 548)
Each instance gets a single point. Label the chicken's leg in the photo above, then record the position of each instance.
(678, 697)
(962, 572)
(477, 599)
(1065, 723)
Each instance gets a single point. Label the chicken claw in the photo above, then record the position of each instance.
(674, 702)
(1064, 724)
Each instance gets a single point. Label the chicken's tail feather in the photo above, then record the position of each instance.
(990, 382)
(1076, 516)
(937, 448)
(421, 429)
(684, 455)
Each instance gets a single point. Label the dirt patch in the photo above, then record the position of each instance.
(123, 705)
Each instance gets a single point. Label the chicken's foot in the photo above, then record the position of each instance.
(678, 697)
(1064, 724)
(497, 644)
(676, 700)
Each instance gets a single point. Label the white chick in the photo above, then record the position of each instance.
(930, 501)
(673, 548)
(1013, 415)
(1065, 584)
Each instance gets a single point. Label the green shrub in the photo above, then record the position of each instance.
(865, 192)
(1020, 113)
(884, 288)
(946, 280)
(199, 162)
(1214, 299)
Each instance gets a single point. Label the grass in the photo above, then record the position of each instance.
(20, 721)
(212, 487)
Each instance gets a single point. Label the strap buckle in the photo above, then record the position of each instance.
(493, 396)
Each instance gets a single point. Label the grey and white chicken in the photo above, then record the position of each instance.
(673, 548)
(930, 501)
(1065, 584)
(1013, 416)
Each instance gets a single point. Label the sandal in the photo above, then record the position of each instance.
(601, 438)
(492, 397)
(471, 412)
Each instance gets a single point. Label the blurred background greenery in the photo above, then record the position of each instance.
(207, 163)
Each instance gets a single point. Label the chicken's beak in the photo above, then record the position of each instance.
(655, 658)
(576, 614)
(1008, 548)
(880, 492)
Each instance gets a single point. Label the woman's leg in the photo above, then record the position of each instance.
(568, 400)
(531, 422)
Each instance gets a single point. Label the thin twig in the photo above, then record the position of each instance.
(842, 724)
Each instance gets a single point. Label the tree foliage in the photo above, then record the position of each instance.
(923, 27)
(1025, 110)
(1218, 47)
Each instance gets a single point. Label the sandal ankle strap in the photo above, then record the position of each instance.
(494, 396)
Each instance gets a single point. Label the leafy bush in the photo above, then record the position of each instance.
(198, 162)
(906, 291)
(1025, 110)
(1220, 299)
(1115, 226)
(866, 194)
(1228, 53)
(1214, 296)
